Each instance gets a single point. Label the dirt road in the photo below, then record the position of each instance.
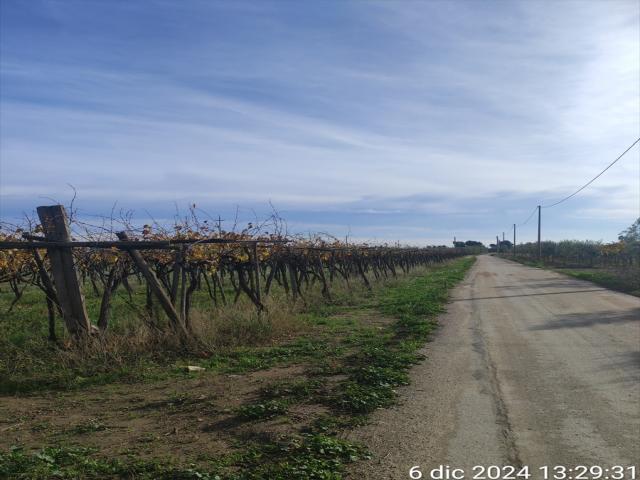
(529, 367)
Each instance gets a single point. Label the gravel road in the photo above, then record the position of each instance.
(528, 367)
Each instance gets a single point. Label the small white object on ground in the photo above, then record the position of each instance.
(193, 368)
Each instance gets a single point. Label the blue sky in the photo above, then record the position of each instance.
(398, 120)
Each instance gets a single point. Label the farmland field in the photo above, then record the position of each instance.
(273, 403)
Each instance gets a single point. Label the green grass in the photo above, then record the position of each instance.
(383, 360)
(262, 410)
(307, 456)
(622, 280)
(28, 319)
(623, 283)
(310, 456)
(78, 462)
(243, 360)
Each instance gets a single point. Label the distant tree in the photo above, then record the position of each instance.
(458, 244)
(630, 239)
(473, 243)
(631, 234)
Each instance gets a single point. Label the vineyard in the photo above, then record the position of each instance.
(169, 267)
(575, 253)
(193, 352)
(614, 265)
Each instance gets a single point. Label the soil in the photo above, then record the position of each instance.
(181, 419)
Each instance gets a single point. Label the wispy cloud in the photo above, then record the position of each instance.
(375, 118)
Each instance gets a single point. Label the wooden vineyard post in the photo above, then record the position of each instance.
(293, 280)
(362, 274)
(182, 303)
(44, 278)
(175, 282)
(256, 266)
(156, 287)
(50, 292)
(105, 305)
(65, 277)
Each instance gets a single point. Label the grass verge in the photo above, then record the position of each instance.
(626, 280)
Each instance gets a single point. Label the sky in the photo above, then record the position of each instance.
(411, 121)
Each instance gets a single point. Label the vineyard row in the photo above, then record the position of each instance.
(172, 269)
(575, 253)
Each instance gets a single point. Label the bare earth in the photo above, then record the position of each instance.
(529, 367)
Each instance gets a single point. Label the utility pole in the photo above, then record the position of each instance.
(498, 243)
(514, 239)
(539, 244)
(503, 236)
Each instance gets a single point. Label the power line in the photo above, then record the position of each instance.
(576, 192)
(593, 179)
(528, 218)
(525, 222)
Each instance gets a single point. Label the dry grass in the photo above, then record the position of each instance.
(242, 325)
(135, 347)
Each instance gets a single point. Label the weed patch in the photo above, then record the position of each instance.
(78, 462)
(262, 410)
(312, 457)
(93, 425)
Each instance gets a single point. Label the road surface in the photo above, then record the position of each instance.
(529, 367)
